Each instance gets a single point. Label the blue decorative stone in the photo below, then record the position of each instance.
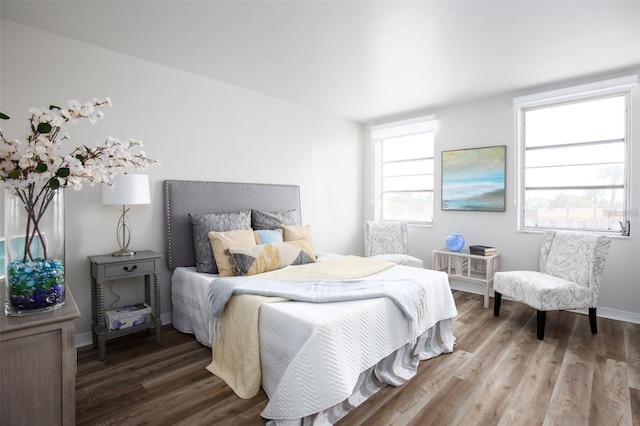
(35, 285)
(455, 241)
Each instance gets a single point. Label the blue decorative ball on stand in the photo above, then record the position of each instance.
(455, 241)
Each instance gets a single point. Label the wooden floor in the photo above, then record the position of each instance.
(498, 374)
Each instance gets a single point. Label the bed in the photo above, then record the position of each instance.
(315, 361)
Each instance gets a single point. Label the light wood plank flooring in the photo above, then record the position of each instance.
(498, 374)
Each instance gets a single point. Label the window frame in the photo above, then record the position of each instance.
(379, 133)
(584, 93)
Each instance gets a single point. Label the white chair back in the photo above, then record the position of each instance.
(382, 237)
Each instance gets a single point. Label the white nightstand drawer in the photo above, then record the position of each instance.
(131, 268)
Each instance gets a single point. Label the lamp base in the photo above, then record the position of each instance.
(123, 252)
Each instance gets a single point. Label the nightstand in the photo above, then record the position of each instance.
(108, 268)
(465, 266)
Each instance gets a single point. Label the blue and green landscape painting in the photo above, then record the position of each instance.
(474, 179)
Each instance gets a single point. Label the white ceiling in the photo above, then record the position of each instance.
(360, 60)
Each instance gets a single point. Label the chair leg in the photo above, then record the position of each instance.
(592, 320)
(496, 303)
(542, 316)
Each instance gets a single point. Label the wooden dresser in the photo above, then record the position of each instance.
(38, 367)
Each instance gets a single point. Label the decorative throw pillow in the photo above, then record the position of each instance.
(271, 220)
(221, 241)
(268, 236)
(201, 224)
(299, 232)
(257, 259)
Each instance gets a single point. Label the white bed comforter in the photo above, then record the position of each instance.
(302, 377)
(299, 374)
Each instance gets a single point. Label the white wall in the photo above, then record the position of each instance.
(491, 122)
(200, 129)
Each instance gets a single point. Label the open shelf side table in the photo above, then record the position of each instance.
(465, 266)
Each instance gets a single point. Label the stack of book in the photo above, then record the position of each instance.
(482, 250)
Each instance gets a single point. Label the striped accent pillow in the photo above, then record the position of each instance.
(257, 259)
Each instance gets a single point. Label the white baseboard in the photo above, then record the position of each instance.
(614, 314)
(86, 339)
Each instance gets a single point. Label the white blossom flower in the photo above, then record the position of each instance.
(58, 121)
(74, 105)
(38, 161)
(36, 112)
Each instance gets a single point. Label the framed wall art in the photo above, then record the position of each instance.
(474, 179)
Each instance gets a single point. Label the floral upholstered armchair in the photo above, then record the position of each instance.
(389, 241)
(570, 270)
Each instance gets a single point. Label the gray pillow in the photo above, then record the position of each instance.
(219, 222)
(270, 220)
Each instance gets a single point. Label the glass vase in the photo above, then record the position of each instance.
(455, 241)
(34, 249)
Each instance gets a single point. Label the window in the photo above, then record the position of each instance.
(404, 170)
(574, 158)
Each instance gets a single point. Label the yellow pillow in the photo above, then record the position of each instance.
(299, 232)
(221, 241)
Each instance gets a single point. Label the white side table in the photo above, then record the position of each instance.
(468, 267)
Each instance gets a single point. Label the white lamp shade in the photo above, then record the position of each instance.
(127, 189)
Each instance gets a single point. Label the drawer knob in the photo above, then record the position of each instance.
(133, 268)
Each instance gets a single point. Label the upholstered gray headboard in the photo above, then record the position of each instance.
(185, 196)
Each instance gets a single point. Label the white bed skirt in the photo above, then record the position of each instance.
(396, 369)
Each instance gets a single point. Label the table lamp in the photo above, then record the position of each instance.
(127, 189)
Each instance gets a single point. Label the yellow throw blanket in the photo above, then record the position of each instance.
(343, 268)
(236, 357)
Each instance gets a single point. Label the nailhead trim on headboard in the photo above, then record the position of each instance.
(187, 196)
